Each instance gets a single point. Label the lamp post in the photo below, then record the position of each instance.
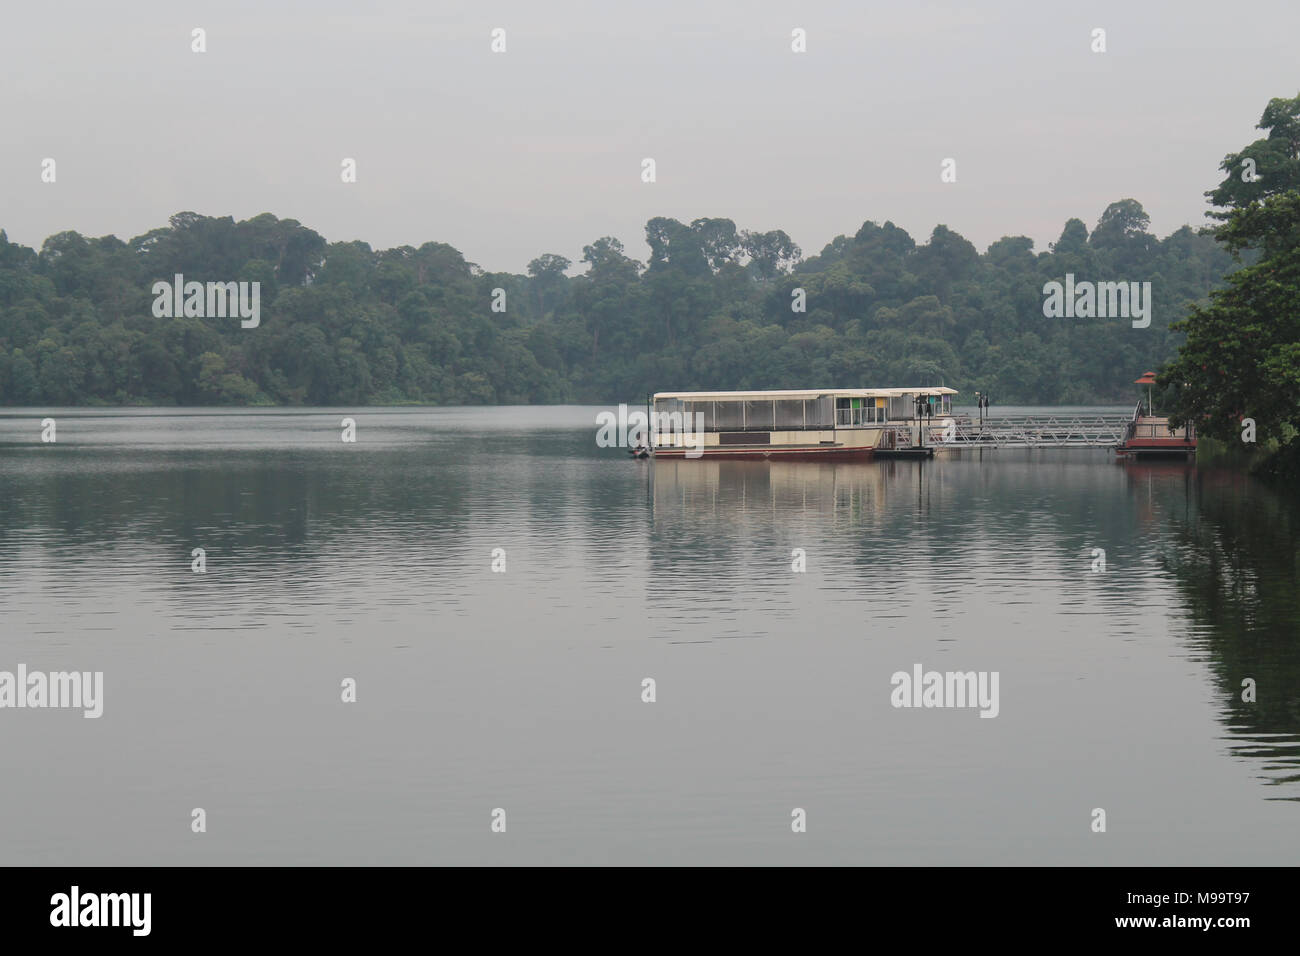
(981, 407)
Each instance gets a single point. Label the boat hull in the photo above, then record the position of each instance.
(767, 453)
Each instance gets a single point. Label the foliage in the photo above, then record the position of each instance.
(1242, 354)
(344, 324)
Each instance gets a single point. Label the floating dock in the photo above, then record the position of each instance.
(860, 424)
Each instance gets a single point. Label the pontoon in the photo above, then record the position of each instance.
(1150, 435)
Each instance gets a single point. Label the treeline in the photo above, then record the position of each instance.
(714, 308)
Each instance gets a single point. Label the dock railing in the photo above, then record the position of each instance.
(1031, 431)
(895, 437)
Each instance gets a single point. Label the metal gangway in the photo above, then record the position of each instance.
(1030, 431)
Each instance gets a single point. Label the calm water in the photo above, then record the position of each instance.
(522, 690)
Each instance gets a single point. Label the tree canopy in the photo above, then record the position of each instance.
(714, 307)
(1241, 358)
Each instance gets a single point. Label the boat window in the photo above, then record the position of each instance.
(759, 414)
(688, 416)
(820, 411)
(789, 414)
(730, 415)
(668, 413)
(854, 412)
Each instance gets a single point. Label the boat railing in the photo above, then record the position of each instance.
(857, 417)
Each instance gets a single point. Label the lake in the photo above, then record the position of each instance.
(521, 689)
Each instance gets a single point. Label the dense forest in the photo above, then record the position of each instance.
(1237, 374)
(715, 307)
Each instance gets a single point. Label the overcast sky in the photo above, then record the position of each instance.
(507, 156)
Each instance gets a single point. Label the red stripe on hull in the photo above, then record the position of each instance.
(784, 454)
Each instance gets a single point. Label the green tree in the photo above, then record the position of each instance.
(1242, 354)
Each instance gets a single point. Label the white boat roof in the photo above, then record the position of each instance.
(807, 393)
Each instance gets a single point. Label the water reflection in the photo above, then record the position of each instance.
(1235, 553)
(1021, 529)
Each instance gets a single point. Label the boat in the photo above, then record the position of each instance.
(831, 424)
(1149, 435)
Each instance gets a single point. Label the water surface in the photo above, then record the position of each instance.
(522, 690)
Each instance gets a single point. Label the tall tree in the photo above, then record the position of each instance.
(1242, 355)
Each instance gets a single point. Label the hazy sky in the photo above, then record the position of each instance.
(507, 156)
